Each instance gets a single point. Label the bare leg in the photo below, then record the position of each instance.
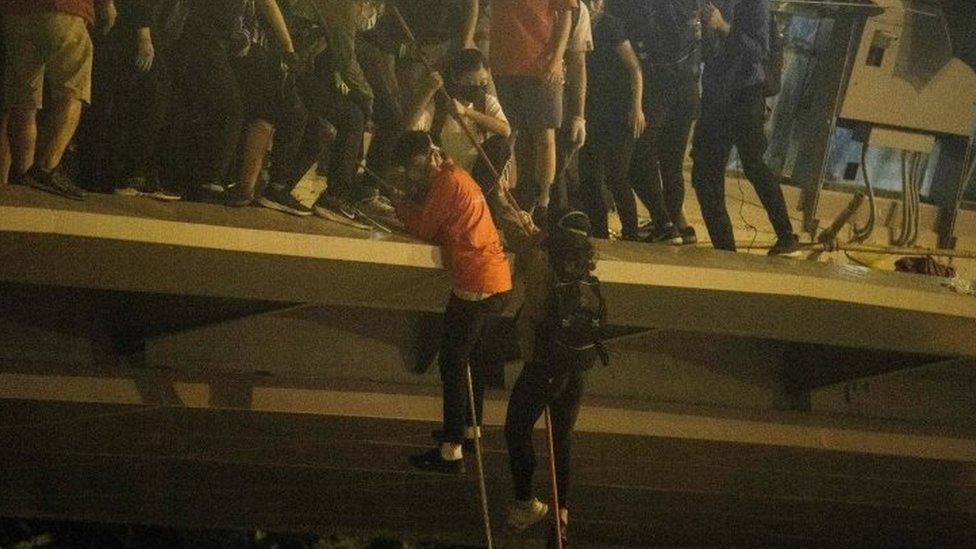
(257, 136)
(22, 128)
(65, 114)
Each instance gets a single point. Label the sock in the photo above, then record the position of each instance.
(451, 451)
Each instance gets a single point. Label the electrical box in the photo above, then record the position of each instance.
(904, 74)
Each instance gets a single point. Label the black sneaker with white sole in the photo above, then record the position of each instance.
(283, 201)
(54, 182)
(787, 247)
(210, 193)
(688, 236)
(146, 187)
(432, 462)
(666, 234)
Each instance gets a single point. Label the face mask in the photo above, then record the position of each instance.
(471, 93)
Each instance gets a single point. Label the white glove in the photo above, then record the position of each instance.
(577, 131)
(145, 54)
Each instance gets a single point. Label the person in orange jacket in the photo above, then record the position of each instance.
(439, 202)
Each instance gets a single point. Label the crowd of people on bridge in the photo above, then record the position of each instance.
(423, 109)
(234, 101)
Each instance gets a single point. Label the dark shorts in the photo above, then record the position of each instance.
(530, 103)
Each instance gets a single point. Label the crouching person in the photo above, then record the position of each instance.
(439, 202)
(560, 328)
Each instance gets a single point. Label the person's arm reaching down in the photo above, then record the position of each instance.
(469, 22)
(629, 58)
(560, 36)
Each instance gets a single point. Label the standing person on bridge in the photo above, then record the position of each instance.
(442, 204)
(560, 331)
(733, 114)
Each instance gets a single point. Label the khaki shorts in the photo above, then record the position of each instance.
(46, 46)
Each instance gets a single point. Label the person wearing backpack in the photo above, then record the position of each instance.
(733, 114)
(560, 330)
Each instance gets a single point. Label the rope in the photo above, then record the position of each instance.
(482, 490)
(557, 512)
(855, 247)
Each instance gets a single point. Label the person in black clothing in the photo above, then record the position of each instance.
(141, 50)
(5, 158)
(340, 99)
(733, 115)
(559, 327)
(230, 82)
(616, 120)
(665, 35)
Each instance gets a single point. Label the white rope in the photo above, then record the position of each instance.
(483, 492)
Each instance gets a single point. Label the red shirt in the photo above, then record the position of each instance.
(455, 216)
(82, 8)
(521, 34)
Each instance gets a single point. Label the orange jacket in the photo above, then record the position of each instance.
(455, 216)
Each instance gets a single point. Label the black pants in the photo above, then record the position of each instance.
(738, 124)
(140, 114)
(657, 170)
(605, 160)
(464, 322)
(534, 390)
(291, 124)
(379, 67)
(341, 144)
(223, 92)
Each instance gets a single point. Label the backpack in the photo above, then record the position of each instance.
(574, 325)
(773, 65)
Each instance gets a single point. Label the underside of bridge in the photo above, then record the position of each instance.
(189, 365)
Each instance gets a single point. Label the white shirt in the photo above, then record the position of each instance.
(581, 38)
(453, 139)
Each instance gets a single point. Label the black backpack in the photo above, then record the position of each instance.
(574, 326)
(773, 66)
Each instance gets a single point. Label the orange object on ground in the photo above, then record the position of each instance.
(455, 216)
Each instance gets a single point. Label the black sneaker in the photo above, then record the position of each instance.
(466, 446)
(338, 205)
(283, 201)
(431, 461)
(54, 182)
(787, 247)
(149, 188)
(667, 234)
(210, 193)
(688, 236)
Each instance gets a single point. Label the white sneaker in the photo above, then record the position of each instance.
(523, 514)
